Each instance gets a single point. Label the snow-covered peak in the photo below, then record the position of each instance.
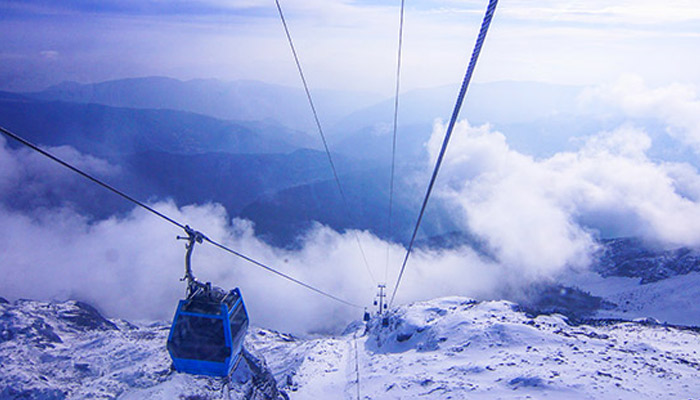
(441, 323)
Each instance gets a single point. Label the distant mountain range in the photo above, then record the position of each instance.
(252, 146)
(237, 100)
(280, 216)
(108, 131)
(258, 170)
(536, 117)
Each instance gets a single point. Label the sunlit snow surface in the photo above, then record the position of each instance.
(456, 348)
(440, 349)
(673, 300)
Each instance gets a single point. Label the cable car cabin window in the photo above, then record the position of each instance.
(239, 325)
(202, 307)
(199, 338)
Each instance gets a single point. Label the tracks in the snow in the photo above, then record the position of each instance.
(357, 365)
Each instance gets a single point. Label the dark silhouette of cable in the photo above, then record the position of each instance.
(186, 228)
(455, 113)
(323, 136)
(393, 142)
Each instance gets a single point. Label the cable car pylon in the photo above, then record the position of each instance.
(380, 300)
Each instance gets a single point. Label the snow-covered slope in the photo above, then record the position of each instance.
(67, 350)
(449, 348)
(672, 300)
(456, 348)
(632, 279)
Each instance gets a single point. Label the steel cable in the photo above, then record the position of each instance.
(186, 228)
(455, 113)
(346, 206)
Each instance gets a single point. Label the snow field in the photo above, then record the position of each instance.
(455, 348)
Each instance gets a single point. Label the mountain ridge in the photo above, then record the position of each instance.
(245, 100)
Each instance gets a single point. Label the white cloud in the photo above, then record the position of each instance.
(540, 215)
(9, 169)
(512, 201)
(636, 12)
(130, 267)
(30, 177)
(676, 105)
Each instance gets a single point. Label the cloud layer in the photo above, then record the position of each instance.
(130, 267)
(538, 218)
(677, 106)
(540, 214)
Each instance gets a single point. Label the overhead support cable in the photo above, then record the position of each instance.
(393, 143)
(90, 177)
(184, 227)
(346, 205)
(281, 274)
(455, 113)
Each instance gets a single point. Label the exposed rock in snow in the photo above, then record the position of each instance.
(632, 258)
(629, 280)
(556, 298)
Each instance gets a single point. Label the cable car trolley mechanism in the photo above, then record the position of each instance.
(206, 337)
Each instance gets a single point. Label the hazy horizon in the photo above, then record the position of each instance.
(346, 44)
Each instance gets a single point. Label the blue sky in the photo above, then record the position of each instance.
(347, 44)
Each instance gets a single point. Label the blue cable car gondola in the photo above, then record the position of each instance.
(206, 337)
